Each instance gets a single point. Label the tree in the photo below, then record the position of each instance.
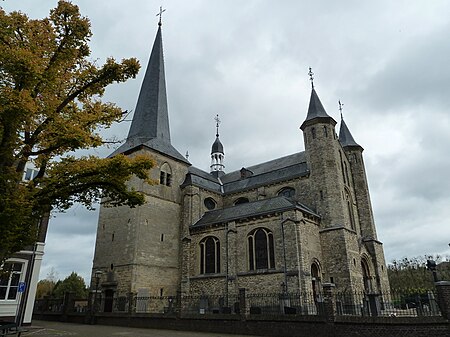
(411, 274)
(72, 283)
(50, 105)
(45, 288)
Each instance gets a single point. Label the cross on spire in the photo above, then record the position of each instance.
(340, 107)
(161, 10)
(217, 124)
(311, 77)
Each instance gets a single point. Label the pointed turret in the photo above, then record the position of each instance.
(345, 137)
(316, 111)
(217, 154)
(150, 124)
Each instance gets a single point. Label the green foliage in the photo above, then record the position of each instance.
(72, 283)
(45, 288)
(410, 275)
(50, 105)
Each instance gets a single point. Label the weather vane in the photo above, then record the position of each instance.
(217, 124)
(311, 77)
(161, 10)
(340, 107)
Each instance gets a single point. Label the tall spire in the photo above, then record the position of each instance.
(315, 109)
(151, 117)
(345, 137)
(150, 124)
(217, 153)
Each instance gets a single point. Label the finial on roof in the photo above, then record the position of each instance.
(311, 77)
(340, 108)
(161, 10)
(217, 125)
(187, 154)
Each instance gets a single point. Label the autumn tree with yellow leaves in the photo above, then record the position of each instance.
(50, 105)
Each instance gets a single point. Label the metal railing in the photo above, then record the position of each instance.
(393, 304)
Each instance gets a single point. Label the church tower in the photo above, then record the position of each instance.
(332, 195)
(324, 160)
(137, 249)
(217, 154)
(374, 248)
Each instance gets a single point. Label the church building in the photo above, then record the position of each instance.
(289, 224)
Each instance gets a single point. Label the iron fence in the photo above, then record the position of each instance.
(392, 304)
(285, 303)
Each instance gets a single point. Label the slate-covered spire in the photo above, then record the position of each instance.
(345, 137)
(150, 124)
(315, 109)
(217, 153)
(151, 117)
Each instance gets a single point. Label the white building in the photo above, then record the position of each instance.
(18, 287)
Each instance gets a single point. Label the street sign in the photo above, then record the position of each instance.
(21, 288)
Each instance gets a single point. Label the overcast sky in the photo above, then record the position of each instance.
(387, 61)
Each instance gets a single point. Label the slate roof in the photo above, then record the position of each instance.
(150, 125)
(273, 171)
(200, 178)
(217, 146)
(295, 159)
(345, 137)
(315, 109)
(242, 211)
(154, 144)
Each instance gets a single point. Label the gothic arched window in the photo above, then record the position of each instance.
(367, 281)
(261, 249)
(210, 255)
(287, 192)
(351, 214)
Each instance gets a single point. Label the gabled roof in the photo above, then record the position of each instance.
(150, 124)
(270, 172)
(202, 179)
(345, 137)
(250, 209)
(154, 144)
(268, 166)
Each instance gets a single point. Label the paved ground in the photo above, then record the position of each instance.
(54, 329)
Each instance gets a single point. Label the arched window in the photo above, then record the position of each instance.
(366, 275)
(351, 215)
(241, 200)
(210, 255)
(261, 250)
(315, 280)
(165, 175)
(209, 203)
(287, 192)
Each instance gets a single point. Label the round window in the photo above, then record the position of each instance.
(210, 203)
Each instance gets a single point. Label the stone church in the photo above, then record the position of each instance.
(289, 224)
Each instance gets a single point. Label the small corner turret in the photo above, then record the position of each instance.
(345, 137)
